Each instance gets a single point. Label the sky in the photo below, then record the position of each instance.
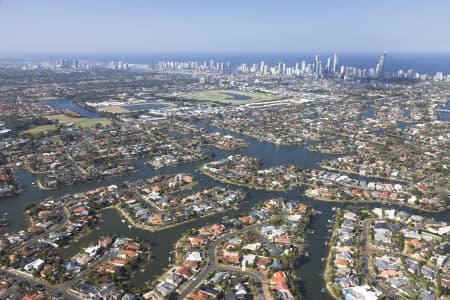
(223, 26)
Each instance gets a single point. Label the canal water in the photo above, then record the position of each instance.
(444, 115)
(69, 104)
(310, 269)
(236, 97)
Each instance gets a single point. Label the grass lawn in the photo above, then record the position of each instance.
(222, 96)
(38, 129)
(47, 98)
(82, 122)
(116, 109)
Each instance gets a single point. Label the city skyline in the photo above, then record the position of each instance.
(48, 26)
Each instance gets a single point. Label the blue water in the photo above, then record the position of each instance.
(145, 106)
(369, 113)
(234, 96)
(355, 85)
(445, 116)
(69, 104)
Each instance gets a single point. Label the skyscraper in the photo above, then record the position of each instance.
(316, 66)
(380, 66)
(328, 65)
(335, 62)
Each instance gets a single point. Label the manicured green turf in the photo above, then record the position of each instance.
(47, 98)
(38, 129)
(113, 109)
(221, 96)
(82, 122)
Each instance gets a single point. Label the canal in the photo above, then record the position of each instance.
(310, 268)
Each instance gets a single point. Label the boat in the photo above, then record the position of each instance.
(123, 221)
(3, 219)
(322, 290)
(323, 259)
(129, 226)
(170, 259)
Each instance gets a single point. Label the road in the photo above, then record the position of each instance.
(257, 277)
(55, 290)
(61, 289)
(211, 266)
(366, 251)
(266, 243)
(60, 225)
(107, 256)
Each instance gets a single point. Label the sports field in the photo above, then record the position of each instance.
(66, 120)
(116, 109)
(82, 122)
(38, 129)
(230, 96)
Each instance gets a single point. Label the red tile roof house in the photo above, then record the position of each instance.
(33, 297)
(218, 229)
(277, 277)
(246, 220)
(283, 239)
(44, 213)
(183, 271)
(131, 246)
(79, 210)
(197, 241)
(356, 192)
(199, 295)
(227, 253)
(232, 260)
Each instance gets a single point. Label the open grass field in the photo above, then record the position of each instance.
(47, 98)
(230, 96)
(64, 119)
(39, 129)
(82, 122)
(113, 109)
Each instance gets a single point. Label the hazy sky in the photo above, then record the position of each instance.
(113, 26)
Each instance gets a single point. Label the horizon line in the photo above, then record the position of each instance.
(288, 52)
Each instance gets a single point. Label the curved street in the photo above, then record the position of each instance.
(212, 265)
(367, 270)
